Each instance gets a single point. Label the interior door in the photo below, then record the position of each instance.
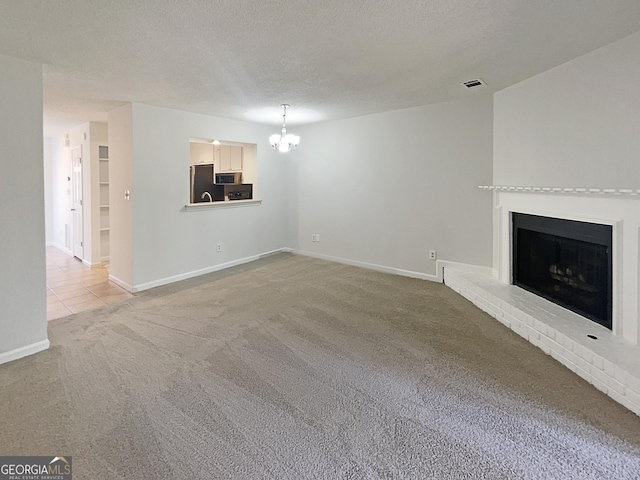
(76, 202)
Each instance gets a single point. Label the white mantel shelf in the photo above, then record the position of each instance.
(628, 192)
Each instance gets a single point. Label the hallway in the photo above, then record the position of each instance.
(73, 287)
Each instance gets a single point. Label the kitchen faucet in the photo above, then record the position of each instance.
(206, 193)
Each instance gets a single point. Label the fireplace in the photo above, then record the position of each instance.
(565, 261)
(593, 330)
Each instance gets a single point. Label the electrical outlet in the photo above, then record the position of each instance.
(317, 237)
(219, 247)
(313, 237)
(433, 255)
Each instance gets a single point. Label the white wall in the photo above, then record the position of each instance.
(23, 319)
(168, 240)
(120, 210)
(575, 125)
(48, 189)
(384, 189)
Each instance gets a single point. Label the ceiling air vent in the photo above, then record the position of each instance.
(474, 83)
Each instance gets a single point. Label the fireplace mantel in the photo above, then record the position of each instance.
(611, 209)
(625, 192)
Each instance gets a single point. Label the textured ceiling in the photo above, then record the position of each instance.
(329, 59)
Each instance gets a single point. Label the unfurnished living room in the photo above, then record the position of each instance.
(320, 240)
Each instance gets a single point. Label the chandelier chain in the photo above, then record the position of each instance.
(284, 114)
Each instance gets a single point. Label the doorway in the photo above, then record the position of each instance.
(76, 203)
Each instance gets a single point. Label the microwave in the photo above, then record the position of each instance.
(229, 178)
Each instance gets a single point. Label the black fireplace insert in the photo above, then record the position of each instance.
(566, 262)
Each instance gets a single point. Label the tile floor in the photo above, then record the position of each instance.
(73, 287)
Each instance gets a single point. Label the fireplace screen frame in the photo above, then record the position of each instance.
(594, 233)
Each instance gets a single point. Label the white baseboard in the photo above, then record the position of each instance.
(23, 351)
(120, 283)
(63, 249)
(438, 277)
(371, 266)
(441, 264)
(91, 265)
(195, 273)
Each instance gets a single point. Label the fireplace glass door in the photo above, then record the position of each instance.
(566, 262)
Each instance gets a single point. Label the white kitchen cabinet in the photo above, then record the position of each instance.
(201, 153)
(236, 159)
(225, 159)
(230, 159)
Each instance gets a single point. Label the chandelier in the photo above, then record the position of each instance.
(284, 142)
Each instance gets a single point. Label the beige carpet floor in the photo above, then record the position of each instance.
(296, 368)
